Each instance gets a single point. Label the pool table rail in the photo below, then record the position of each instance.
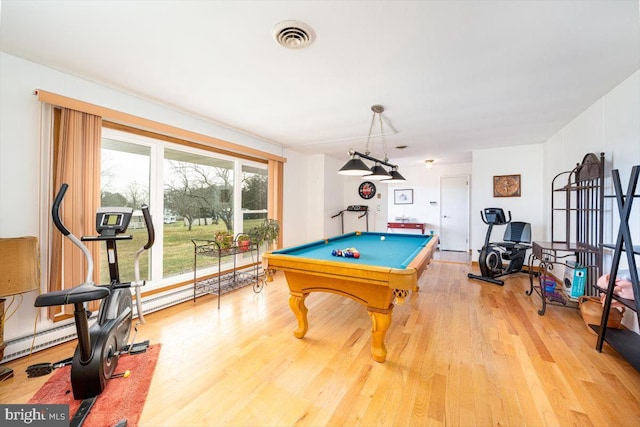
(376, 275)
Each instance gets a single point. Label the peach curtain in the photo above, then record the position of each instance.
(77, 163)
(275, 194)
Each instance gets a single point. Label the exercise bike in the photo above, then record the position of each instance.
(517, 237)
(101, 345)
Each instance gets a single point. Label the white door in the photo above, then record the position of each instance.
(454, 213)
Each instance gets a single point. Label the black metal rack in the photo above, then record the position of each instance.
(624, 341)
(228, 281)
(583, 213)
(577, 229)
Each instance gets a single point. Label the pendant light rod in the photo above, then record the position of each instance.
(373, 159)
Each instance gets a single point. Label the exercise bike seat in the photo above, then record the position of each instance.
(516, 236)
(78, 294)
(517, 232)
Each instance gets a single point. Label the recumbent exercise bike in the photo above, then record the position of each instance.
(517, 239)
(100, 346)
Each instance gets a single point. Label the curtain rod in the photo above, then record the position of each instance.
(147, 124)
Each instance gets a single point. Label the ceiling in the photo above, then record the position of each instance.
(453, 76)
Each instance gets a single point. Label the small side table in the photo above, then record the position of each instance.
(407, 225)
(548, 255)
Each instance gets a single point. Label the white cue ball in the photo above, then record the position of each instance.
(382, 237)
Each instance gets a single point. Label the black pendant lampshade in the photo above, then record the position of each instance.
(378, 173)
(355, 167)
(395, 177)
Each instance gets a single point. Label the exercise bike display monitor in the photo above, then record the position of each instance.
(112, 221)
(495, 216)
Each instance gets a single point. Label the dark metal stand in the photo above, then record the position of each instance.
(548, 254)
(625, 342)
(231, 280)
(577, 228)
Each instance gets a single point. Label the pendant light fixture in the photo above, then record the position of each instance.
(356, 167)
(395, 176)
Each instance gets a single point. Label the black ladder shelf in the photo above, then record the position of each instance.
(625, 342)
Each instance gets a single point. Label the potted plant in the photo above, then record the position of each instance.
(244, 242)
(224, 239)
(265, 234)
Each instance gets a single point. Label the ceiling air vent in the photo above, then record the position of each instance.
(293, 34)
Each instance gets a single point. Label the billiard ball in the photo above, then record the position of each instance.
(382, 237)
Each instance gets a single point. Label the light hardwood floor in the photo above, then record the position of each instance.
(460, 353)
(452, 256)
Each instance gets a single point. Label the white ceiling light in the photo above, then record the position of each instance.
(293, 34)
(428, 164)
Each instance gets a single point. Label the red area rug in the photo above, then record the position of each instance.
(122, 398)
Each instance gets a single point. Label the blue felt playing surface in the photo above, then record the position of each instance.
(396, 251)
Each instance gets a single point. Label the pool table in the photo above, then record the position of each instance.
(388, 268)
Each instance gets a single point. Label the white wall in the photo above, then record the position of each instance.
(425, 184)
(297, 209)
(377, 217)
(313, 193)
(524, 160)
(333, 200)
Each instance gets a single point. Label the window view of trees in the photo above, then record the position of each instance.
(125, 182)
(254, 196)
(198, 192)
(198, 195)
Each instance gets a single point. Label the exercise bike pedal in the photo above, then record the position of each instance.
(137, 348)
(41, 369)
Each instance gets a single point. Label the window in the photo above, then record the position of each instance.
(255, 187)
(198, 192)
(195, 192)
(133, 172)
(125, 181)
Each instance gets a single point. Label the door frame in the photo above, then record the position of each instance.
(467, 203)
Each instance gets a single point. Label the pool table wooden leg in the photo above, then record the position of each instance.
(296, 302)
(380, 324)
